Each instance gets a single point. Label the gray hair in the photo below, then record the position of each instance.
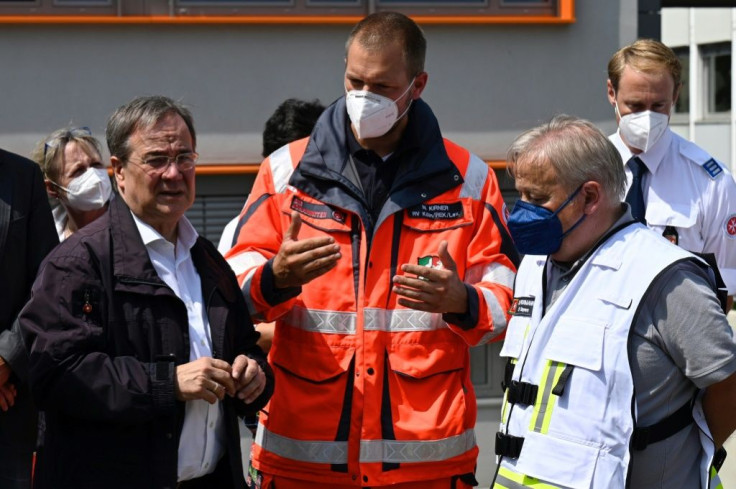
(49, 151)
(141, 113)
(577, 150)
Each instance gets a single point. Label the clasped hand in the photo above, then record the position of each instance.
(211, 379)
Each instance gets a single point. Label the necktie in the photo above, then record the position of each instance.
(635, 196)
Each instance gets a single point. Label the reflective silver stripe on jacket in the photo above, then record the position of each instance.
(393, 321)
(319, 452)
(401, 320)
(392, 451)
(475, 178)
(327, 322)
(243, 261)
(497, 312)
(281, 168)
(254, 313)
(398, 451)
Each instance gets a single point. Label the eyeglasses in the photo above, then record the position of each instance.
(64, 137)
(159, 164)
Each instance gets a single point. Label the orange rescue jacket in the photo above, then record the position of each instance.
(369, 392)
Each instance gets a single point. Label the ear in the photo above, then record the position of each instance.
(611, 92)
(51, 189)
(118, 172)
(593, 197)
(420, 82)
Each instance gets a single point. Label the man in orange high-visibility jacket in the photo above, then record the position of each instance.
(380, 250)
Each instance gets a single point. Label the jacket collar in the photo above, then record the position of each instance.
(424, 160)
(130, 256)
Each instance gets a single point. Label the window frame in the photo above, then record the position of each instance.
(284, 11)
(708, 54)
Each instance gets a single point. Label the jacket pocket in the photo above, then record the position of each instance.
(676, 215)
(427, 390)
(309, 378)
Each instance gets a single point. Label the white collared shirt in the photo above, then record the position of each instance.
(202, 441)
(681, 193)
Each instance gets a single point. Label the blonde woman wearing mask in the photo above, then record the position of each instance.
(77, 181)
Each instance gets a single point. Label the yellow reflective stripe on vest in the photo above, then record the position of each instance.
(391, 451)
(545, 402)
(508, 479)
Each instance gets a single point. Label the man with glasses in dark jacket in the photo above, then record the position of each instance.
(142, 352)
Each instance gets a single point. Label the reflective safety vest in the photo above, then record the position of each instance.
(567, 418)
(369, 392)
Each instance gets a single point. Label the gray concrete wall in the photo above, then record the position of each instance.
(487, 82)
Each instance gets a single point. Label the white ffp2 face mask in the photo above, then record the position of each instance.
(89, 191)
(642, 130)
(373, 115)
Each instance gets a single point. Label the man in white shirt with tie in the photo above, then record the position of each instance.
(685, 194)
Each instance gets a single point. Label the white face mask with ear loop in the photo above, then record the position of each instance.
(89, 191)
(373, 115)
(643, 129)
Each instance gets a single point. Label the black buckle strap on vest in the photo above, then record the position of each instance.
(522, 393)
(667, 427)
(562, 381)
(508, 445)
(507, 374)
(719, 458)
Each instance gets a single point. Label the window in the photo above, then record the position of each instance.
(682, 106)
(347, 10)
(717, 77)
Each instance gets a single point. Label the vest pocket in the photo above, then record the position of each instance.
(558, 461)
(577, 341)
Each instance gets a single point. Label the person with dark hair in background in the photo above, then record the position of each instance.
(379, 249)
(75, 177)
(27, 234)
(142, 353)
(293, 119)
